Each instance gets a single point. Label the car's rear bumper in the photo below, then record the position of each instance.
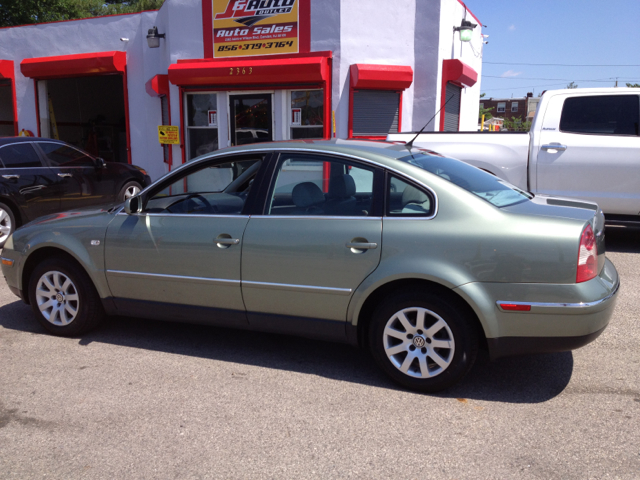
(558, 318)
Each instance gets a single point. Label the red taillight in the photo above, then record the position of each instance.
(587, 256)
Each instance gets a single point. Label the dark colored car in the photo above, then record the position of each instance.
(40, 176)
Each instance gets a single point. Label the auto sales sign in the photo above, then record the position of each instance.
(254, 27)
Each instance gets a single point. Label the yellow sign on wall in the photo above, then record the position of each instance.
(169, 134)
(254, 27)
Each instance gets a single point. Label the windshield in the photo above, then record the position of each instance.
(486, 186)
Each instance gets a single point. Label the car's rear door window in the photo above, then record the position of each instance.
(19, 155)
(320, 185)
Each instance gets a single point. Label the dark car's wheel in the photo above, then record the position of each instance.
(129, 190)
(422, 341)
(7, 223)
(63, 298)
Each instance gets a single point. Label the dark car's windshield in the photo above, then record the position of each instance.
(472, 179)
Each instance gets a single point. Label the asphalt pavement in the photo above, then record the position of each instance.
(139, 399)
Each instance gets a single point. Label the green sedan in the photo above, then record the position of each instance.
(420, 258)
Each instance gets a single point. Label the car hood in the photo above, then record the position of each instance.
(81, 215)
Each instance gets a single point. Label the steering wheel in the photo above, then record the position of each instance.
(197, 199)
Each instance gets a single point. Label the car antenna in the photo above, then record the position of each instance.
(409, 145)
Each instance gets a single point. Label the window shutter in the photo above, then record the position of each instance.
(452, 108)
(375, 112)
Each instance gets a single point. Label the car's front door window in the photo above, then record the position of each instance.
(219, 189)
(65, 156)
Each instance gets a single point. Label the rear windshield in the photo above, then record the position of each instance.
(486, 186)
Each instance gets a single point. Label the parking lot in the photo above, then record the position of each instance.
(144, 399)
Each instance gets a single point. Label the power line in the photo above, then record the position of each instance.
(555, 64)
(563, 79)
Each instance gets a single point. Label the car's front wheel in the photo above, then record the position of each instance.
(130, 189)
(422, 341)
(63, 298)
(7, 223)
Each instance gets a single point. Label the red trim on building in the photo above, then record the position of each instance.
(460, 74)
(8, 72)
(158, 86)
(207, 28)
(378, 77)
(469, 11)
(252, 71)
(182, 127)
(80, 65)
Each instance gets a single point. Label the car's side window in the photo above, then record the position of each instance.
(219, 189)
(601, 115)
(407, 200)
(318, 185)
(65, 156)
(19, 155)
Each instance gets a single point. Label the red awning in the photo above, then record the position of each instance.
(158, 85)
(80, 65)
(381, 77)
(457, 72)
(6, 70)
(248, 71)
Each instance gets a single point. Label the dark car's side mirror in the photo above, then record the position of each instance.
(132, 205)
(100, 163)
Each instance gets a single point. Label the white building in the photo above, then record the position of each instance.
(228, 72)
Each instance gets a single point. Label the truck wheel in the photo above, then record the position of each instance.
(422, 342)
(7, 223)
(63, 298)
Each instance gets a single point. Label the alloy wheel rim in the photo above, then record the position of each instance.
(418, 342)
(57, 298)
(5, 225)
(131, 191)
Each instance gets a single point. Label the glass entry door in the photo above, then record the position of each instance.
(250, 118)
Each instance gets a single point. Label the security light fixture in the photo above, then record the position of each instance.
(153, 37)
(465, 29)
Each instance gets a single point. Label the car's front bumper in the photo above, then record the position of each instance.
(561, 316)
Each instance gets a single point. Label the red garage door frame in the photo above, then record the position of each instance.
(378, 77)
(312, 70)
(7, 72)
(80, 65)
(460, 74)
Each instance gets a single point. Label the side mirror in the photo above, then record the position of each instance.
(132, 205)
(100, 163)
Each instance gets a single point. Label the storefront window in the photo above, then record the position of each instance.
(307, 114)
(202, 124)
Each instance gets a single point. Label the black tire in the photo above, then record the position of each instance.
(80, 296)
(7, 223)
(128, 190)
(423, 373)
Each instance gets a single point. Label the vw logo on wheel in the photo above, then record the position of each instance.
(418, 341)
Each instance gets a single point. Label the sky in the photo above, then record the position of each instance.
(603, 37)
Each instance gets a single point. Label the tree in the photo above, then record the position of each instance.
(633, 85)
(485, 111)
(516, 125)
(23, 12)
(572, 85)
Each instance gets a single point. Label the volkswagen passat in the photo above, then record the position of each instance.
(420, 258)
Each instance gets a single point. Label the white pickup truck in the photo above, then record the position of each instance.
(584, 143)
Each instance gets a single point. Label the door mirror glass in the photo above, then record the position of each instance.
(132, 205)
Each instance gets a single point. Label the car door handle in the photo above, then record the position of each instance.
(225, 241)
(64, 175)
(554, 146)
(361, 246)
(10, 177)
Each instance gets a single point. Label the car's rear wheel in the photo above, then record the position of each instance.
(423, 341)
(7, 223)
(129, 190)
(63, 298)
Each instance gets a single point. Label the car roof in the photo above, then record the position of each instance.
(382, 152)
(9, 140)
